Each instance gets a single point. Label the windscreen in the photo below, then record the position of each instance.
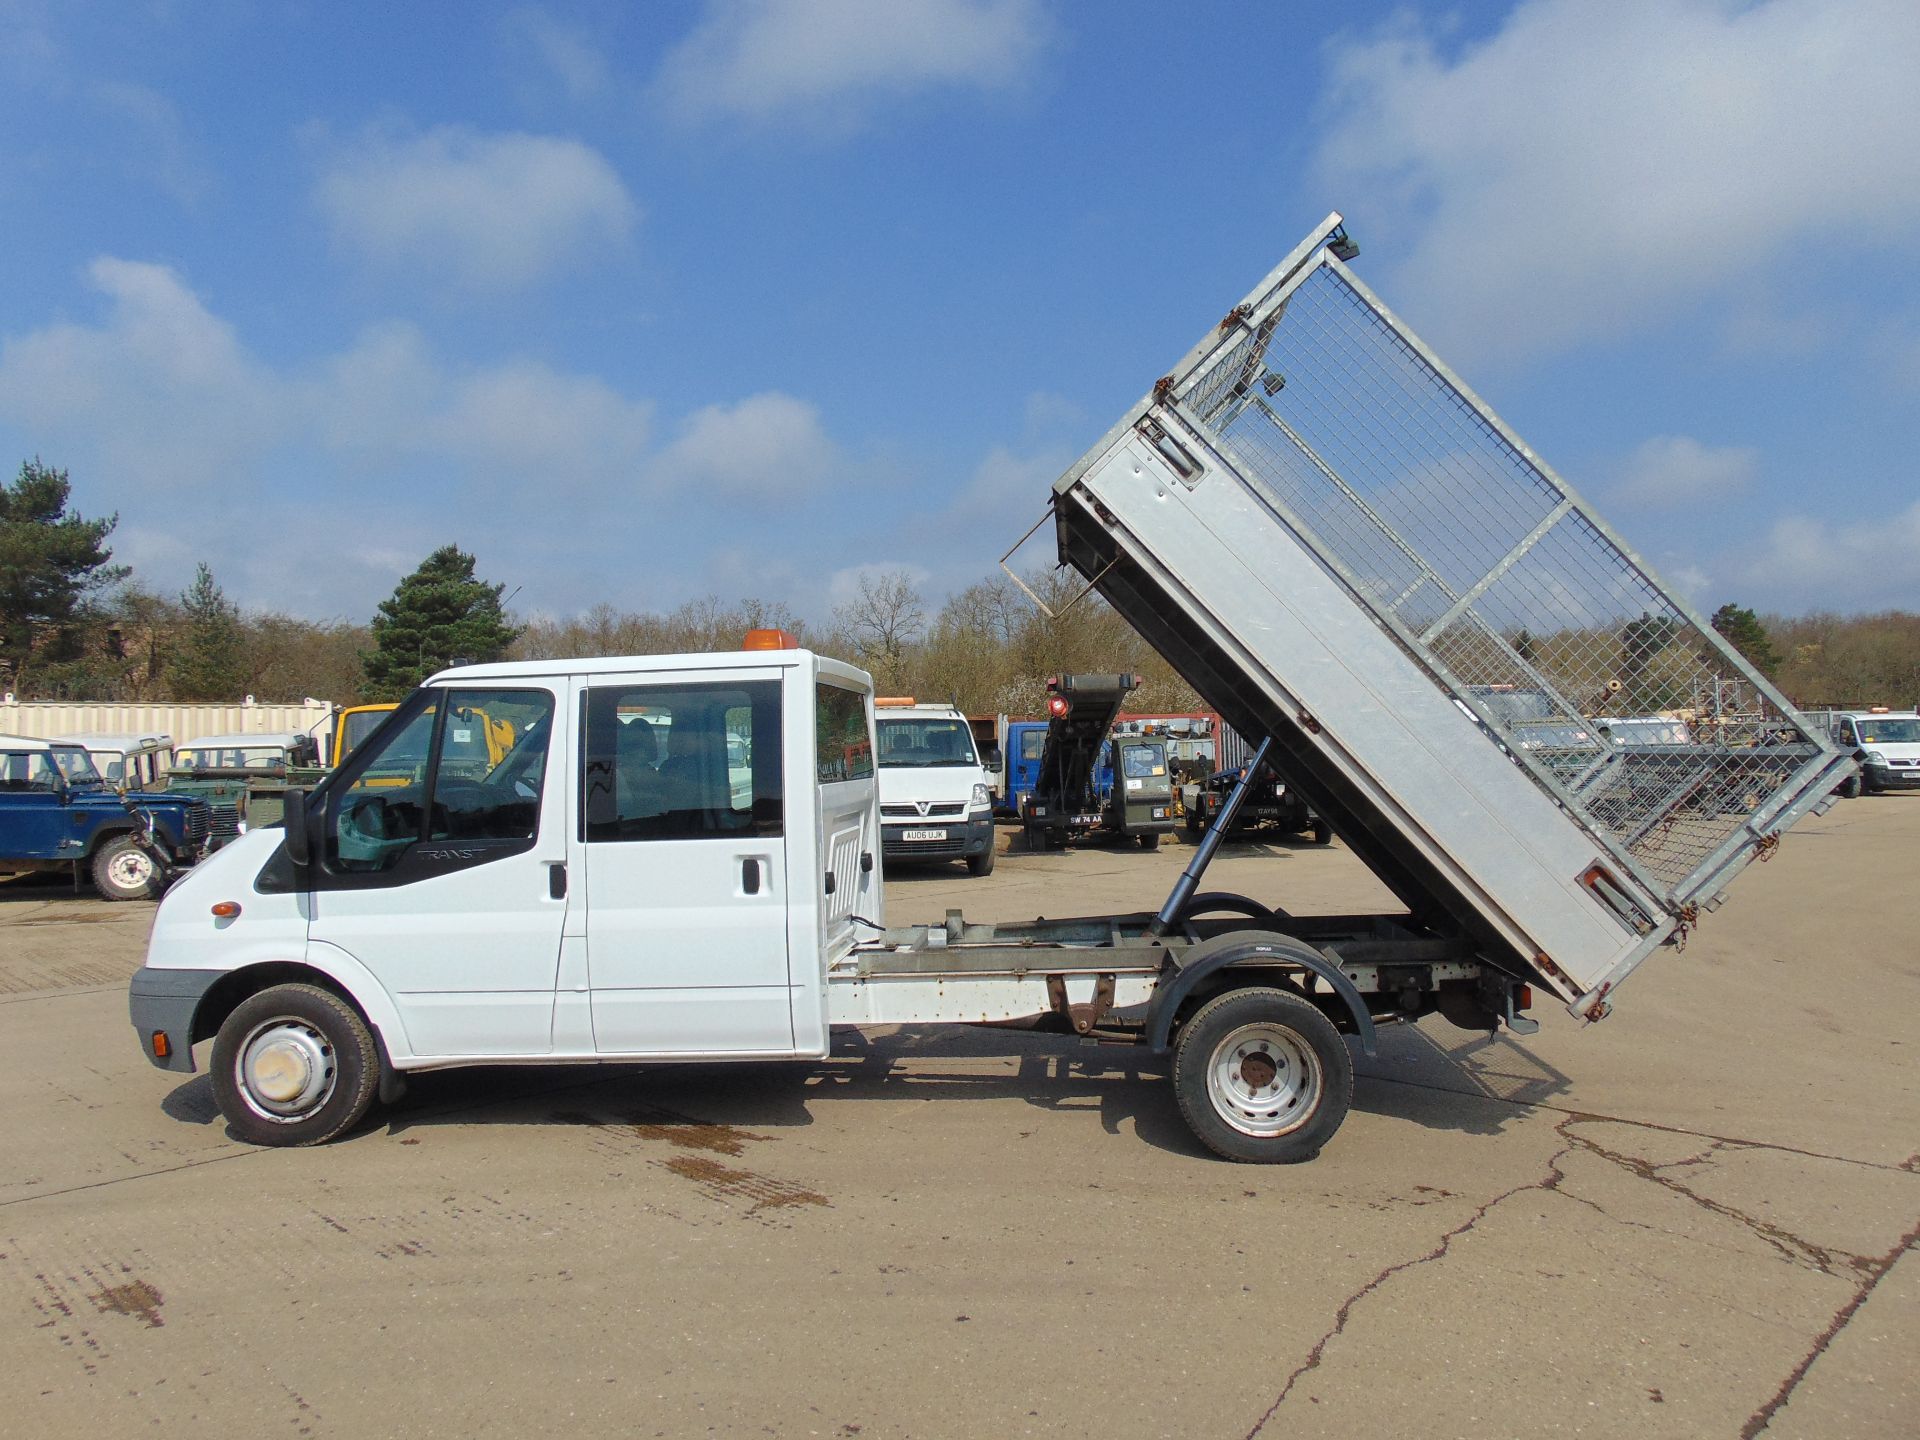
(76, 766)
(918, 743)
(1889, 730)
(1143, 762)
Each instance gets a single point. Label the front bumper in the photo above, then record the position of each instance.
(971, 836)
(163, 1002)
(1891, 777)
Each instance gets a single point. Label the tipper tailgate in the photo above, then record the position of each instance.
(1500, 707)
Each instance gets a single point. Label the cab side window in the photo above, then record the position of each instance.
(390, 804)
(681, 762)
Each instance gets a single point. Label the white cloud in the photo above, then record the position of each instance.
(160, 411)
(1591, 168)
(162, 391)
(829, 61)
(1809, 562)
(1670, 471)
(767, 445)
(569, 56)
(489, 211)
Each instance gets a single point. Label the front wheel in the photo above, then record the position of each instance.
(122, 870)
(981, 864)
(1150, 842)
(294, 1065)
(1262, 1076)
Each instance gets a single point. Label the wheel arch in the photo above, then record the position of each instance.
(367, 999)
(105, 832)
(1258, 955)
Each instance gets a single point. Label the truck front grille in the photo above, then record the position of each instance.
(914, 812)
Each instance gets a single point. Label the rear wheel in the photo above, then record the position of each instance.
(123, 871)
(1262, 1076)
(294, 1065)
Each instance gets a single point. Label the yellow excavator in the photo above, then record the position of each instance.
(480, 743)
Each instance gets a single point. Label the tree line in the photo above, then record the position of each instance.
(76, 626)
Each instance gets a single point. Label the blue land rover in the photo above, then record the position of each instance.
(56, 813)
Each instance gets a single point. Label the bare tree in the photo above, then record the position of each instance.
(882, 624)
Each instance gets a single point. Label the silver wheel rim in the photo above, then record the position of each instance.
(131, 869)
(285, 1069)
(1264, 1080)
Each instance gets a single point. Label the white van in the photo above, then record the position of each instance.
(936, 801)
(1887, 744)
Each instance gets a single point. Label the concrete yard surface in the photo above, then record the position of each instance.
(1696, 1218)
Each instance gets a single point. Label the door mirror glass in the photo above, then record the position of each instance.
(299, 850)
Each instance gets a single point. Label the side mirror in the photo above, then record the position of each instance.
(994, 758)
(299, 840)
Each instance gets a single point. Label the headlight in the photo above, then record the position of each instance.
(1874, 757)
(981, 799)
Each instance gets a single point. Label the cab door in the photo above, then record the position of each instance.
(682, 841)
(449, 885)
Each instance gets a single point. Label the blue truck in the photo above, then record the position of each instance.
(57, 813)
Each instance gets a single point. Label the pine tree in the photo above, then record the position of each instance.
(210, 662)
(1743, 630)
(52, 564)
(437, 615)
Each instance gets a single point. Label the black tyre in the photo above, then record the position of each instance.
(1262, 1076)
(1322, 833)
(1850, 787)
(123, 871)
(1150, 842)
(294, 1065)
(981, 864)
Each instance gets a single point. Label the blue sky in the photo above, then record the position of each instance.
(643, 302)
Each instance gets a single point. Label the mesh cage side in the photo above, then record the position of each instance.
(1478, 563)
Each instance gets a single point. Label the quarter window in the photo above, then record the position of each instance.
(681, 762)
(843, 747)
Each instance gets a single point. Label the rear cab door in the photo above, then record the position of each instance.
(682, 842)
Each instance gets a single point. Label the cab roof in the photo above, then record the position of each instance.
(126, 744)
(283, 738)
(641, 664)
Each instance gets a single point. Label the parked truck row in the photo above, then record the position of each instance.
(1344, 552)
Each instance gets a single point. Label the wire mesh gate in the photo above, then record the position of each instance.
(1498, 579)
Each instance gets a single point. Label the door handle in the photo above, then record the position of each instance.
(557, 880)
(750, 876)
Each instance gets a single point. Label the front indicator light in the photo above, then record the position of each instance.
(162, 1047)
(226, 910)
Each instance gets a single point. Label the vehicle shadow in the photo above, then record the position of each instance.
(1443, 1079)
(1446, 1078)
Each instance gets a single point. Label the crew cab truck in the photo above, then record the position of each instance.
(591, 899)
(58, 813)
(936, 802)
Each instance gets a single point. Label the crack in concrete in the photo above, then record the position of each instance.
(1548, 1183)
(1763, 1417)
(1795, 1249)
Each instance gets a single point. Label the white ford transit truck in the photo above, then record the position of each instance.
(1334, 541)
